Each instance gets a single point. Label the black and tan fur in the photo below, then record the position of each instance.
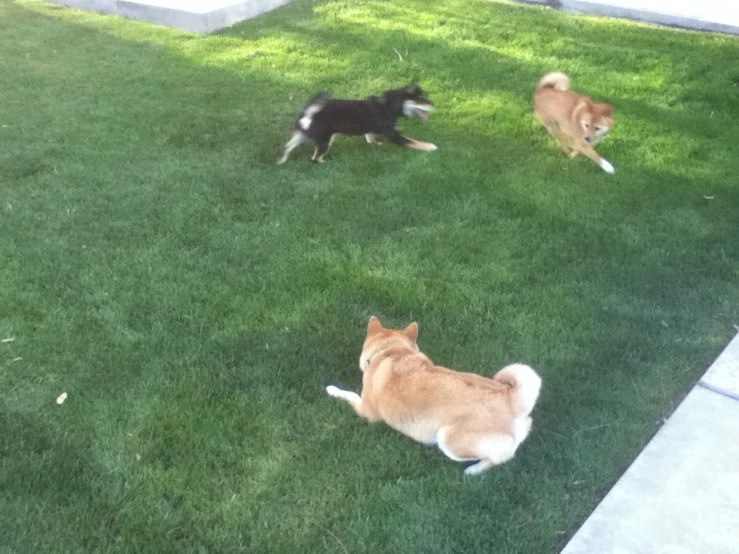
(324, 117)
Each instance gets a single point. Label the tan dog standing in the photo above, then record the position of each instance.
(468, 416)
(573, 119)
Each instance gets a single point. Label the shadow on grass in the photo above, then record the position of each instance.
(444, 42)
(498, 42)
(240, 288)
(190, 123)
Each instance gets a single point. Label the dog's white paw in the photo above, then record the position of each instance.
(607, 167)
(431, 147)
(333, 391)
(476, 469)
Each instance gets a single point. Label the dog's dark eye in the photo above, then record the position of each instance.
(597, 128)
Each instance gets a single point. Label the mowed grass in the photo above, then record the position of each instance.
(193, 299)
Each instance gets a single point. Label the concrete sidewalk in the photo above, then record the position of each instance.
(700, 15)
(200, 16)
(681, 495)
(206, 16)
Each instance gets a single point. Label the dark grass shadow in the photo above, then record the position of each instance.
(186, 133)
(190, 124)
(443, 58)
(279, 369)
(573, 44)
(52, 477)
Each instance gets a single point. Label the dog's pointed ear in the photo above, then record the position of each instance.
(411, 331)
(582, 102)
(607, 110)
(374, 326)
(412, 87)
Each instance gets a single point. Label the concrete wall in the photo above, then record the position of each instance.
(701, 15)
(200, 16)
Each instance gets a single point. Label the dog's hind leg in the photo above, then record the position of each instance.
(322, 148)
(296, 140)
(371, 138)
(493, 450)
(448, 441)
(462, 445)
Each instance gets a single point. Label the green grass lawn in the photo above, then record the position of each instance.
(193, 299)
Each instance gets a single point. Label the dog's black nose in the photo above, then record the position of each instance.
(588, 139)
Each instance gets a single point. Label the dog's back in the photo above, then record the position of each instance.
(554, 101)
(414, 390)
(350, 117)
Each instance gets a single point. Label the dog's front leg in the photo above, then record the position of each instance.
(564, 141)
(406, 142)
(604, 164)
(349, 396)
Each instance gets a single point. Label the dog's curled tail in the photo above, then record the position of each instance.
(318, 100)
(315, 105)
(525, 385)
(555, 80)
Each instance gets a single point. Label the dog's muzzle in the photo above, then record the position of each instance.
(421, 111)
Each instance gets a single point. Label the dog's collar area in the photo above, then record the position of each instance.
(375, 353)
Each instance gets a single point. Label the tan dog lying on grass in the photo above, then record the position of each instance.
(468, 416)
(573, 119)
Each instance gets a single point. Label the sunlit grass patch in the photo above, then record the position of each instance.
(193, 299)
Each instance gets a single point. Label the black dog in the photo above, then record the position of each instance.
(325, 117)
